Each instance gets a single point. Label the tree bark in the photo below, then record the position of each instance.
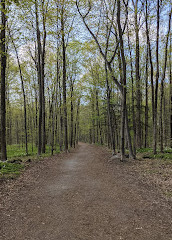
(124, 120)
(42, 79)
(137, 68)
(71, 114)
(170, 80)
(39, 80)
(157, 79)
(132, 82)
(162, 84)
(64, 81)
(3, 80)
(151, 64)
(146, 102)
(110, 128)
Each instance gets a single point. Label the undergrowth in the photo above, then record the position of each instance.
(10, 170)
(17, 159)
(148, 153)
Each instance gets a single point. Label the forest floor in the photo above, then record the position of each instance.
(86, 195)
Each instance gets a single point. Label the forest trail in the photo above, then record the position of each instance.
(81, 196)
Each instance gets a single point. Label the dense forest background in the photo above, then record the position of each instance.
(94, 71)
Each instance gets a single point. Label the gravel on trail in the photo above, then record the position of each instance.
(82, 196)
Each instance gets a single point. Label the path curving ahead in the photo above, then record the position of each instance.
(80, 196)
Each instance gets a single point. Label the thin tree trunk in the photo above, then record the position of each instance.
(61, 119)
(170, 80)
(124, 118)
(93, 118)
(36, 119)
(157, 79)
(64, 81)
(146, 102)
(98, 120)
(123, 81)
(162, 85)
(39, 80)
(77, 123)
(71, 115)
(151, 64)
(53, 120)
(24, 95)
(3, 81)
(133, 110)
(110, 128)
(42, 79)
(137, 67)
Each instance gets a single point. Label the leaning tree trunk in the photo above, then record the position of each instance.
(3, 81)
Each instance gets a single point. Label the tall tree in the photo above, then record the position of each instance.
(39, 78)
(137, 69)
(157, 80)
(23, 91)
(3, 80)
(162, 82)
(64, 77)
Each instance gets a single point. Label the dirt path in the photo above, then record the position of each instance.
(80, 196)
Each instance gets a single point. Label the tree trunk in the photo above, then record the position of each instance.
(39, 80)
(170, 80)
(132, 81)
(157, 79)
(64, 81)
(98, 118)
(151, 64)
(124, 118)
(162, 85)
(42, 79)
(77, 123)
(3, 81)
(93, 118)
(146, 102)
(137, 67)
(110, 128)
(61, 118)
(71, 115)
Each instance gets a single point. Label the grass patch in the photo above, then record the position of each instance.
(162, 156)
(144, 150)
(10, 170)
(16, 151)
(17, 159)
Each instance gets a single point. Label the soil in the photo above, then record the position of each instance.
(83, 195)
